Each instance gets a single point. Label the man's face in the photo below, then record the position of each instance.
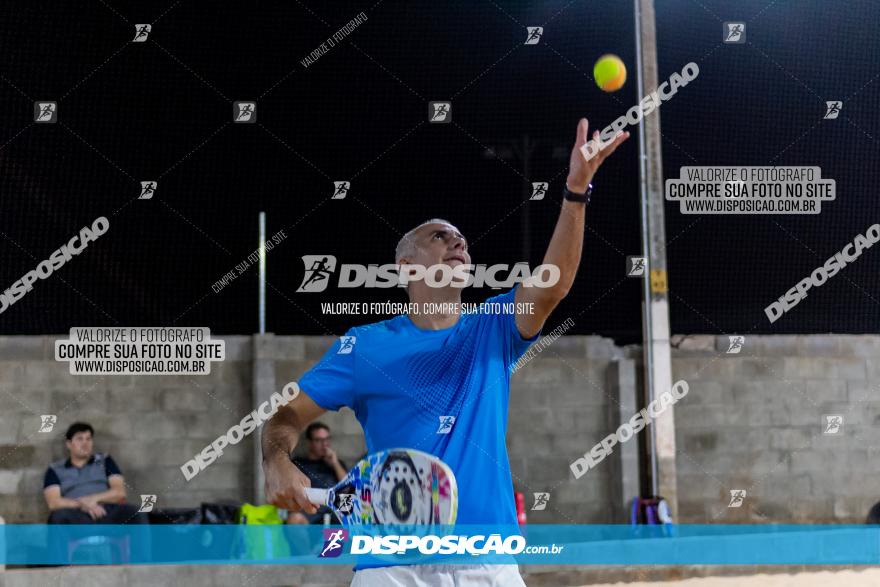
(439, 243)
(320, 442)
(80, 446)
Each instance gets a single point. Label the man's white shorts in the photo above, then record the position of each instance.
(440, 576)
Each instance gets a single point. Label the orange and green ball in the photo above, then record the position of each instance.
(609, 73)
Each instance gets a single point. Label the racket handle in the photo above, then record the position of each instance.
(317, 496)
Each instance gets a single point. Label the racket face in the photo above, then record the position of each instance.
(397, 486)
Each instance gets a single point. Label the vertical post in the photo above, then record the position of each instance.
(262, 385)
(657, 357)
(262, 275)
(620, 381)
(263, 372)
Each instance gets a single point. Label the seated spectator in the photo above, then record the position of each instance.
(874, 514)
(323, 468)
(87, 488)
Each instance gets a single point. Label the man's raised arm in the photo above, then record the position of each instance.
(284, 481)
(567, 242)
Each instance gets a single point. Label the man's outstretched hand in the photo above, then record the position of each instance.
(581, 171)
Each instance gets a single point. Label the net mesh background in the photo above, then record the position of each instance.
(162, 110)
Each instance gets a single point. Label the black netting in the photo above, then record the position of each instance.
(162, 110)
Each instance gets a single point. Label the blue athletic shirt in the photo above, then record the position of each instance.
(400, 380)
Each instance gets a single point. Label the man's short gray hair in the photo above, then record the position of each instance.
(406, 247)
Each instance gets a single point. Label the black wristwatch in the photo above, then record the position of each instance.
(575, 197)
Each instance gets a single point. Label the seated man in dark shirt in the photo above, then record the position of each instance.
(323, 468)
(88, 487)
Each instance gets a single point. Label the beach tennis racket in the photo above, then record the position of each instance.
(395, 486)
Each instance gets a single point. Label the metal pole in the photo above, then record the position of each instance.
(262, 274)
(646, 281)
(657, 356)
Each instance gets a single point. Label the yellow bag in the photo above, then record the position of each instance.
(262, 543)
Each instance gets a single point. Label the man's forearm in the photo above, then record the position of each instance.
(109, 496)
(62, 503)
(568, 238)
(279, 438)
(565, 247)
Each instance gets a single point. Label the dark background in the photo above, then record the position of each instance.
(161, 110)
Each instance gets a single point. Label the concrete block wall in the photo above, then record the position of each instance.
(754, 421)
(559, 408)
(296, 356)
(151, 425)
(751, 421)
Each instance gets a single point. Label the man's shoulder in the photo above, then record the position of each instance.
(101, 457)
(57, 464)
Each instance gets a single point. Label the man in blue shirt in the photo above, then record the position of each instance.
(437, 382)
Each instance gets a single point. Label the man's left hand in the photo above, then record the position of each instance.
(581, 171)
